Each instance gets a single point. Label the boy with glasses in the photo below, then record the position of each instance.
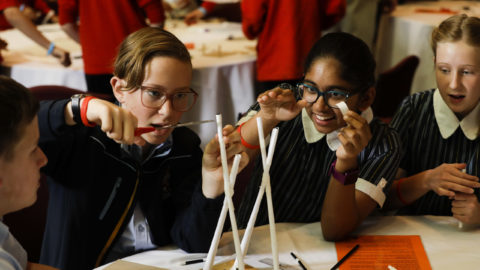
(112, 193)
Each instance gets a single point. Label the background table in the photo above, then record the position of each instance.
(407, 31)
(27, 62)
(447, 247)
(223, 61)
(224, 71)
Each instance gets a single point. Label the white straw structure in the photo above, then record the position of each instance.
(265, 186)
(460, 224)
(221, 220)
(228, 197)
(271, 216)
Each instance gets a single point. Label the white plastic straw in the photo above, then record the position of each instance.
(271, 146)
(221, 220)
(266, 161)
(228, 193)
(271, 215)
(460, 224)
(253, 217)
(261, 139)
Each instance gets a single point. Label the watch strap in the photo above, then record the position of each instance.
(76, 101)
(347, 178)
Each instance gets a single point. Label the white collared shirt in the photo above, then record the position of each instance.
(448, 122)
(312, 135)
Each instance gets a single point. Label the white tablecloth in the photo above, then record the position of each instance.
(447, 247)
(223, 61)
(29, 64)
(407, 31)
(224, 71)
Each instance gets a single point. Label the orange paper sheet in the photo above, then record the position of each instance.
(403, 252)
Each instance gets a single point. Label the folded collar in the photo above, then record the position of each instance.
(312, 135)
(160, 150)
(447, 121)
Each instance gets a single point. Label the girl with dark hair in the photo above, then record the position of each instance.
(327, 166)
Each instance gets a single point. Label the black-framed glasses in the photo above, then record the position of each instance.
(332, 96)
(154, 98)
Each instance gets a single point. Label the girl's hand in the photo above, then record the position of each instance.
(212, 171)
(466, 208)
(448, 179)
(279, 105)
(354, 137)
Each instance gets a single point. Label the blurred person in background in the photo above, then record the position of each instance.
(199, 13)
(3, 46)
(38, 11)
(360, 19)
(177, 9)
(104, 25)
(10, 13)
(286, 30)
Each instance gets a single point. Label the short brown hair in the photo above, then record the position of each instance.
(18, 107)
(455, 28)
(140, 47)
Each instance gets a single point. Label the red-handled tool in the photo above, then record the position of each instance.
(140, 130)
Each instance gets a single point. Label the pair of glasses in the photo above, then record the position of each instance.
(331, 96)
(155, 98)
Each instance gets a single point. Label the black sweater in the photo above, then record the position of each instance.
(94, 186)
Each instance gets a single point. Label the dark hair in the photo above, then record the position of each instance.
(138, 49)
(18, 107)
(356, 60)
(456, 28)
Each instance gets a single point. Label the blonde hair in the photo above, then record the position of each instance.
(140, 47)
(456, 28)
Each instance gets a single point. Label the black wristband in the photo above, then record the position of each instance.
(76, 107)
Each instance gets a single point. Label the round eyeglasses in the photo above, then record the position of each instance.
(155, 98)
(332, 96)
